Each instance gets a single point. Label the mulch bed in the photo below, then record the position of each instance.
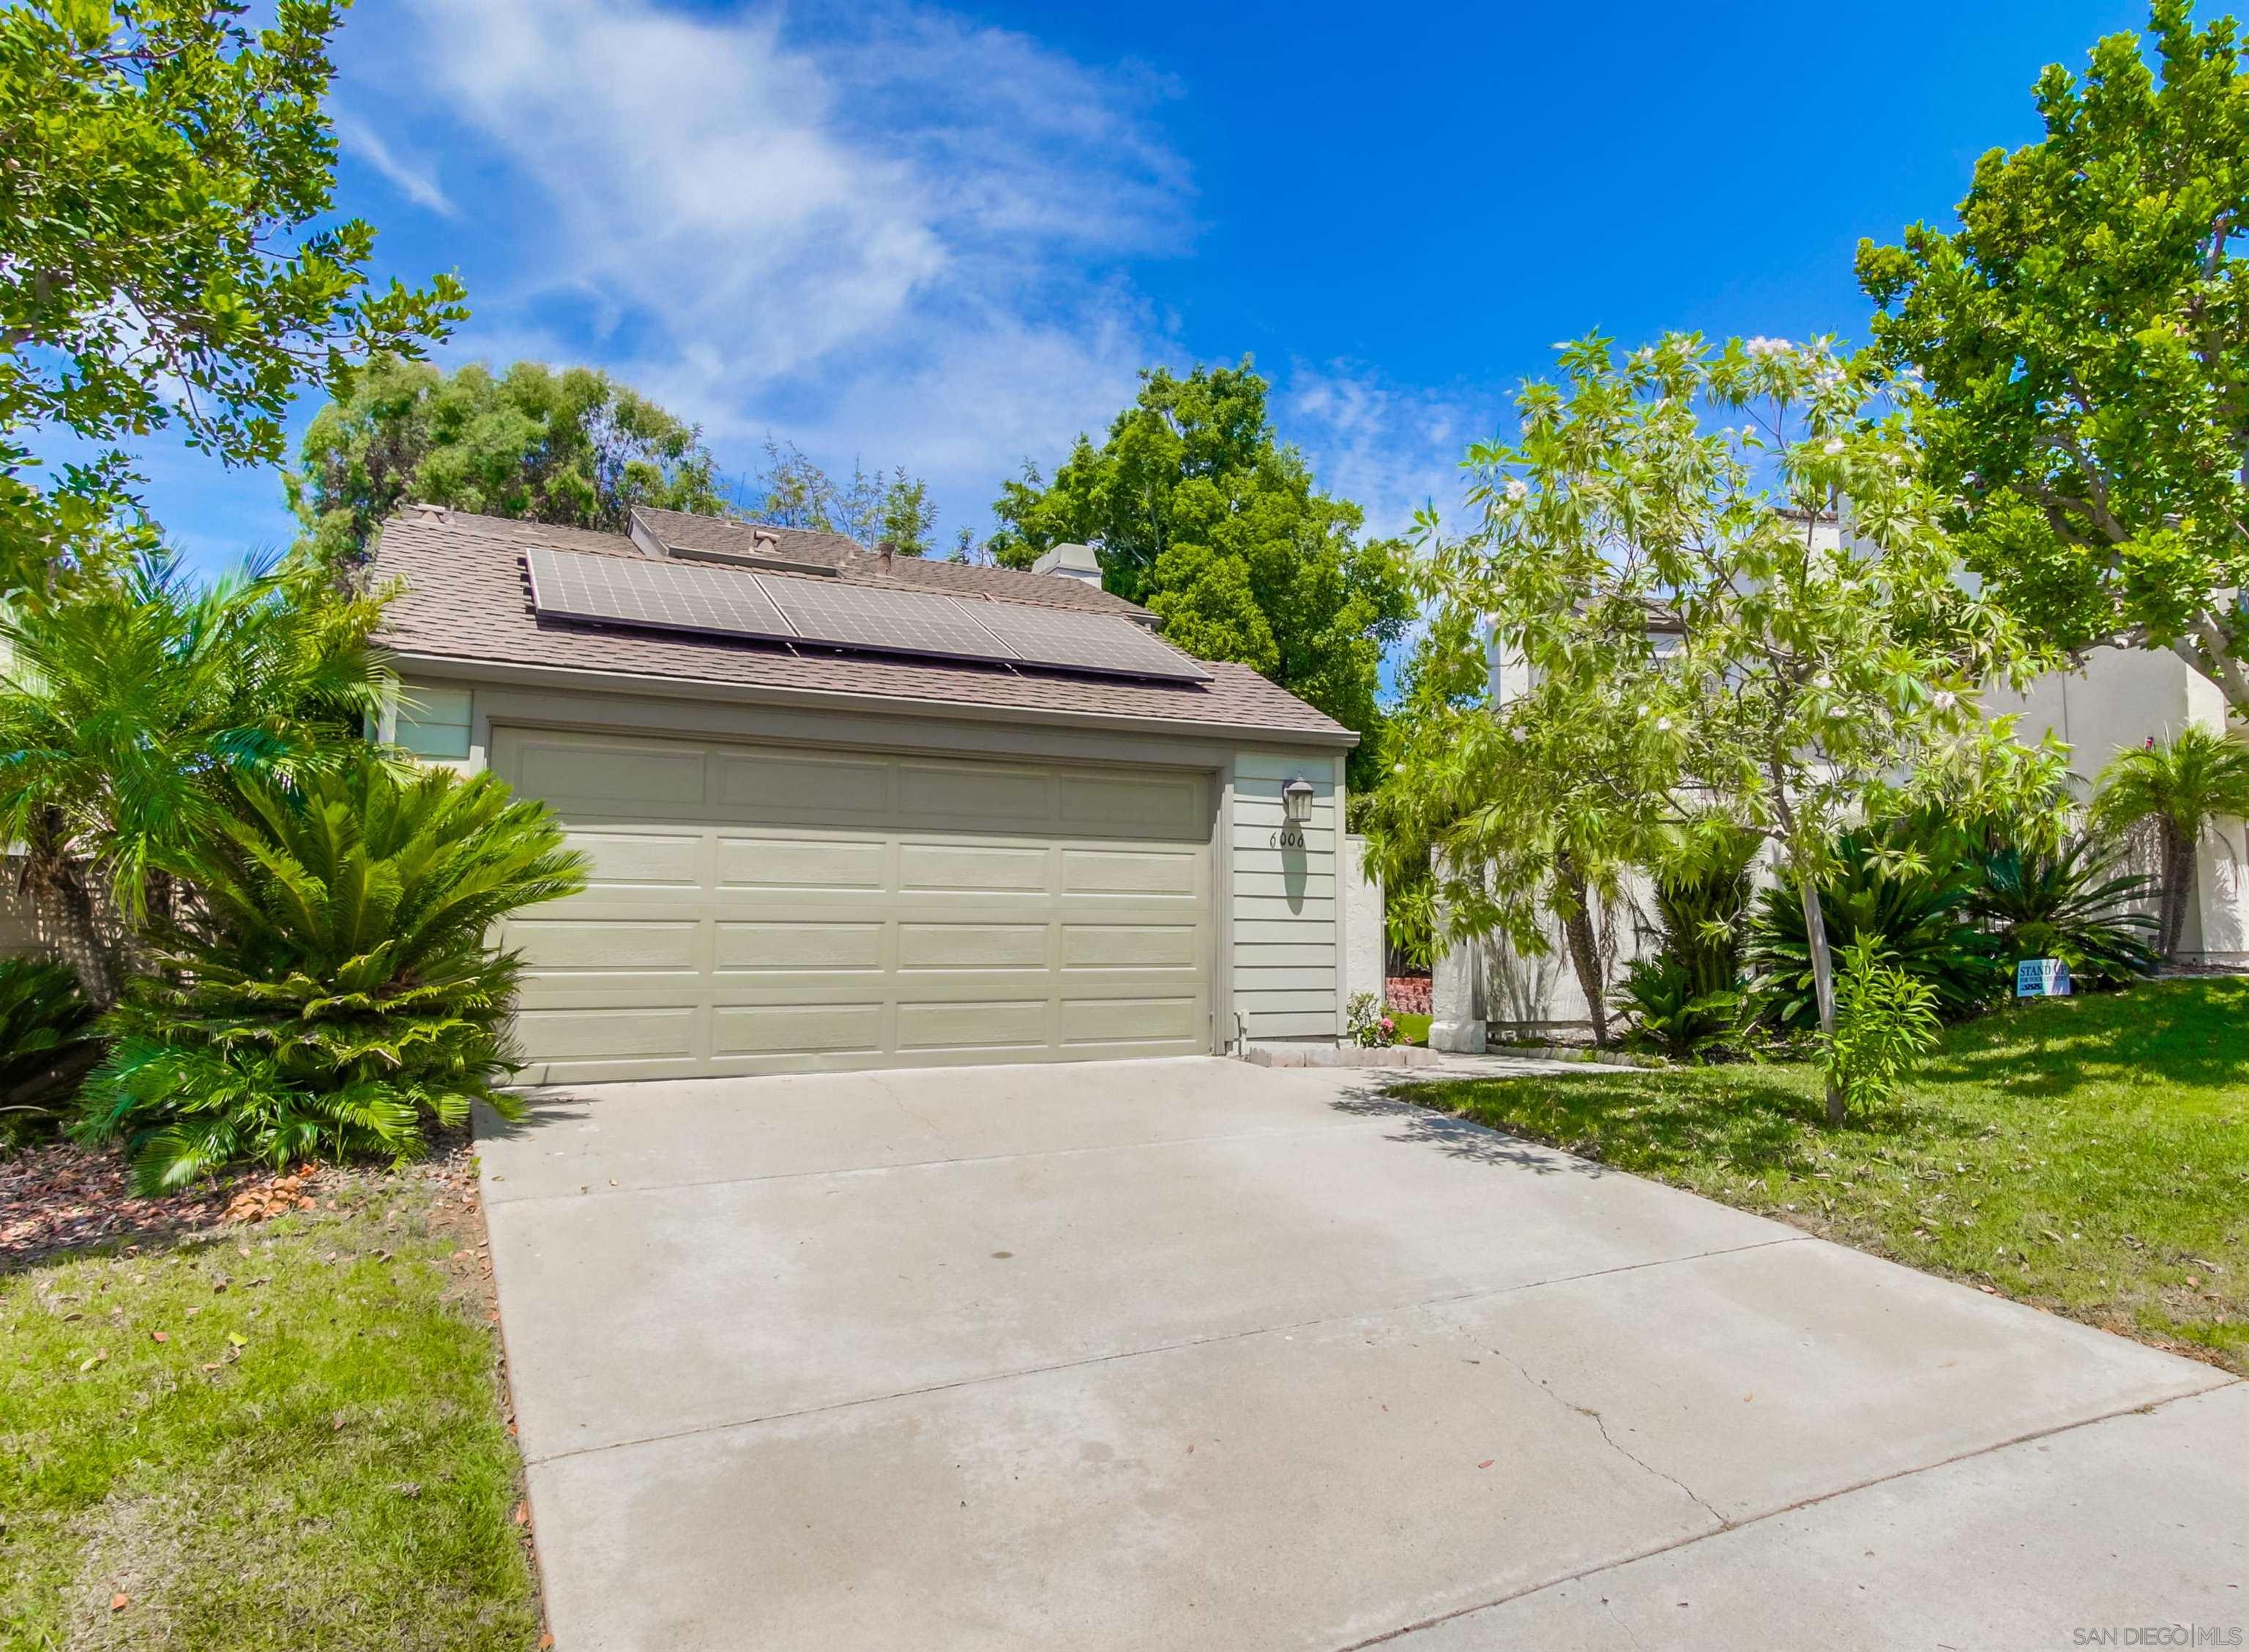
(65, 1198)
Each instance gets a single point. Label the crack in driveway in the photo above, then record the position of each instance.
(1610, 1440)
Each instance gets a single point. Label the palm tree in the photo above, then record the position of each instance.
(131, 701)
(2177, 791)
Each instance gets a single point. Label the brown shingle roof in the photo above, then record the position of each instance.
(858, 565)
(465, 598)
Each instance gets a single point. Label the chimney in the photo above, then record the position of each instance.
(885, 551)
(1070, 562)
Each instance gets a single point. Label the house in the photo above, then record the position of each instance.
(848, 810)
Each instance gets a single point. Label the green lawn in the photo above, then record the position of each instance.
(313, 1455)
(2090, 1156)
(1412, 1029)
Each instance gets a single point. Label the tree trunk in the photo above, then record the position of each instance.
(67, 913)
(1585, 949)
(1823, 981)
(2179, 889)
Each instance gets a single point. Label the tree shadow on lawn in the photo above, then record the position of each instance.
(1679, 1124)
(2186, 1032)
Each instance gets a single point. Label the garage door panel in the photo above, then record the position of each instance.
(1130, 1020)
(1113, 946)
(986, 797)
(953, 1024)
(973, 946)
(552, 946)
(1130, 871)
(973, 867)
(802, 863)
(796, 1029)
(1135, 806)
(797, 786)
(639, 859)
(797, 947)
(620, 1032)
(812, 911)
(568, 769)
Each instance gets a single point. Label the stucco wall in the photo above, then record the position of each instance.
(1363, 933)
(2122, 698)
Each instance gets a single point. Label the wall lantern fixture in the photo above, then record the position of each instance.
(1296, 810)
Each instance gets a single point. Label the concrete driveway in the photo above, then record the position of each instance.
(1192, 1353)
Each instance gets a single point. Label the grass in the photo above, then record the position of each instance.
(314, 1455)
(1412, 1029)
(2090, 1156)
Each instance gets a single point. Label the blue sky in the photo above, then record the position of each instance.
(946, 237)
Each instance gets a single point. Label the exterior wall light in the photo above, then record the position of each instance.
(1296, 809)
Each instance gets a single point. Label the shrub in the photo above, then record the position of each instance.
(1908, 895)
(1371, 1024)
(2060, 906)
(47, 1040)
(1701, 884)
(331, 991)
(1885, 1020)
(1668, 1015)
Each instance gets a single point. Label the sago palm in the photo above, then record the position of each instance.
(131, 701)
(2176, 791)
(331, 989)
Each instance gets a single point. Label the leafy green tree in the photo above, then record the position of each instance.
(1700, 628)
(129, 709)
(165, 253)
(2085, 335)
(1198, 510)
(1525, 815)
(330, 990)
(870, 507)
(573, 447)
(2176, 790)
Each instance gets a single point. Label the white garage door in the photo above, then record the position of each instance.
(768, 910)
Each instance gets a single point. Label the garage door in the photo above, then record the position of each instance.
(768, 909)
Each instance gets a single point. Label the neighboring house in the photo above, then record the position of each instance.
(2121, 698)
(848, 812)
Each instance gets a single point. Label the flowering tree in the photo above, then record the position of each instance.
(1761, 618)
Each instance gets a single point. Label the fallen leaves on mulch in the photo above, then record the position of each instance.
(62, 1197)
(273, 1196)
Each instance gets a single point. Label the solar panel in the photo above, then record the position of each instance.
(675, 595)
(661, 596)
(1106, 643)
(878, 617)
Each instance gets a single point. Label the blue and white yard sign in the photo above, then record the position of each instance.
(2042, 978)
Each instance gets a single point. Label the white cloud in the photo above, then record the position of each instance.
(414, 184)
(897, 241)
(1391, 449)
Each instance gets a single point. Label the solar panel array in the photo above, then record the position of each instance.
(721, 601)
(888, 622)
(1102, 642)
(624, 591)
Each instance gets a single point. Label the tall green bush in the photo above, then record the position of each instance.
(331, 991)
(2061, 905)
(1904, 888)
(47, 1040)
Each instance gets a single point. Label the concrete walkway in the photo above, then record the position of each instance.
(1189, 1353)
